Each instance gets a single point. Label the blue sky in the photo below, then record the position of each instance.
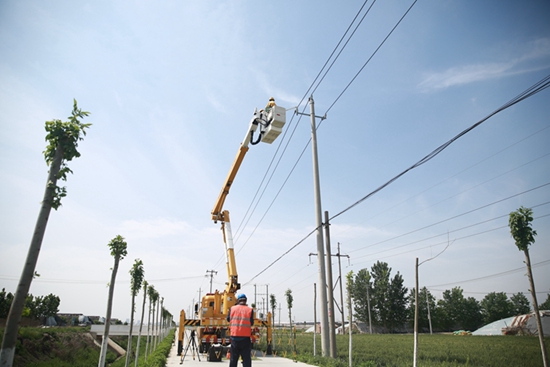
(171, 87)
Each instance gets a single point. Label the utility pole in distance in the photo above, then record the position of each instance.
(341, 288)
(330, 292)
(211, 272)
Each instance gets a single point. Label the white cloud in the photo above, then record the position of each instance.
(467, 74)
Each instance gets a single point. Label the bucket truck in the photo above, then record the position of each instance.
(211, 314)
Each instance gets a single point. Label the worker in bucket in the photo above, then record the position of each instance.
(241, 319)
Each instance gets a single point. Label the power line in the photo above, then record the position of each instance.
(80, 281)
(534, 89)
(456, 216)
(537, 87)
(454, 175)
(439, 243)
(343, 47)
(288, 127)
(497, 275)
(370, 58)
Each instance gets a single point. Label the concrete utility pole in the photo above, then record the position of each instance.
(211, 272)
(314, 319)
(330, 292)
(266, 299)
(341, 287)
(320, 245)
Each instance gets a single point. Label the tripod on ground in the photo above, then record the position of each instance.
(193, 344)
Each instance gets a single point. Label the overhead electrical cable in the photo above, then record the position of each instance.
(443, 242)
(245, 221)
(336, 48)
(80, 281)
(343, 47)
(455, 175)
(453, 217)
(313, 83)
(537, 87)
(370, 58)
(497, 275)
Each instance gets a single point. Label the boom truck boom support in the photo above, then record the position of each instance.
(212, 313)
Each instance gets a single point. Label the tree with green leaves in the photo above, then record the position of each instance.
(160, 302)
(456, 312)
(472, 317)
(5, 303)
(153, 296)
(546, 304)
(495, 306)
(289, 300)
(388, 298)
(425, 300)
(273, 304)
(62, 138)
(40, 307)
(524, 236)
(380, 273)
(361, 289)
(118, 247)
(136, 278)
(397, 303)
(520, 304)
(145, 286)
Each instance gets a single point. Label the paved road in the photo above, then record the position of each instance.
(259, 360)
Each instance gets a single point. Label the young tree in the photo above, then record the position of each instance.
(289, 300)
(62, 138)
(524, 236)
(153, 296)
(495, 306)
(145, 285)
(273, 304)
(136, 278)
(160, 301)
(118, 248)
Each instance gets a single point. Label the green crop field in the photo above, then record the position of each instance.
(434, 350)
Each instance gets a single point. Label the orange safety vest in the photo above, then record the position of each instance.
(239, 321)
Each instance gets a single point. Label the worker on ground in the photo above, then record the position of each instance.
(241, 319)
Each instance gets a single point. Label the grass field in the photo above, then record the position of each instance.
(434, 350)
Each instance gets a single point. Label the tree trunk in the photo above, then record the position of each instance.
(140, 325)
(108, 316)
(536, 308)
(129, 348)
(7, 352)
(157, 327)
